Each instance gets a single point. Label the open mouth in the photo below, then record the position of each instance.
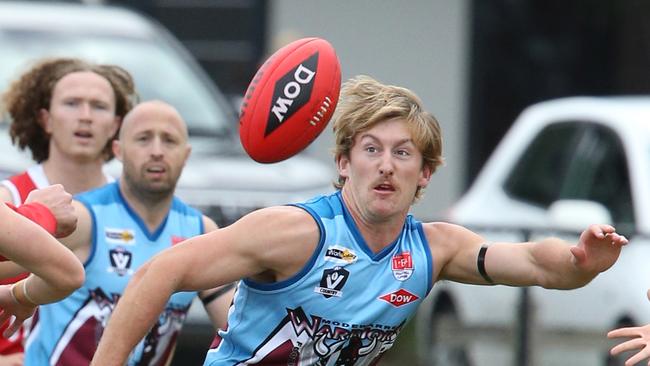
(156, 169)
(385, 187)
(83, 134)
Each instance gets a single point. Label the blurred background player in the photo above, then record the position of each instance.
(122, 225)
(67, 112)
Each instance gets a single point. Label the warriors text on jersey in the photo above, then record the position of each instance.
(345, 307)
(67, 332)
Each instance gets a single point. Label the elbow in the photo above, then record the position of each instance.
(74, 278)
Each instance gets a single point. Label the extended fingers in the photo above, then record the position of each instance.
(624, 332)
(603, 231)
(632, 344)
(643, 354)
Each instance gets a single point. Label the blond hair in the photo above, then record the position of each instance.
(365, 102)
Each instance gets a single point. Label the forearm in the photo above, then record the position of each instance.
(57, 272)
(556, 267)
(139, 307)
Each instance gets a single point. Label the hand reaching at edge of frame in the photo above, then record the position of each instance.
(640, 340)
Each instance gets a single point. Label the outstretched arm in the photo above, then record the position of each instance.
(550, 263)
(269, 244)
(56, 272)
(216, 301)
(640, 341)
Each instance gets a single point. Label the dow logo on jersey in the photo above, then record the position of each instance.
(120, 261)
(291, 92)
(332, 282)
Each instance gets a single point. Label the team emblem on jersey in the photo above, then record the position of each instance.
(402, 266)
(332, 282)
(301, 339)
(399, 297)
(120, 236)
(339, 254)
(120, 259)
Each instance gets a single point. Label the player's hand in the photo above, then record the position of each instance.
(59, 202)
(640, 340)
(598, 248)
(12, 311)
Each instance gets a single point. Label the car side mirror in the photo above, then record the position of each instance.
(576, 215)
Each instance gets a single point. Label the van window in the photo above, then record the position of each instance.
(576, 160)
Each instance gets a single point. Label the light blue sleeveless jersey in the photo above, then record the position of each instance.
(345, 307)
(67, 332)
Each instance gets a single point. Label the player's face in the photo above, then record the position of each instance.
(153, 150)
(383, 171)
(81, 118)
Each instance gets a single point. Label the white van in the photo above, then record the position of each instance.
(219, 178)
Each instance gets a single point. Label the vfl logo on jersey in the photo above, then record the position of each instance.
(339, 254)
(402, 266)
(332, 282)
(120, 236)
(399, 298)
(120, 261)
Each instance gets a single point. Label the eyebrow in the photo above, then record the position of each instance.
(373, 137)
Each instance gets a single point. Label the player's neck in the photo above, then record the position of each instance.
(378, 233)
(76, 177)
(151, 208)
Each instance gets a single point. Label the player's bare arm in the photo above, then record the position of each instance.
(550, 263)
(56, 272)
(267, 245)
(216, 301)
(79, 240)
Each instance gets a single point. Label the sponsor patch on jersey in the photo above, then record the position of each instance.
(402, 266)
(120, 236)
(332, 282)
(120, 260)
(339, 254)
(399, 298)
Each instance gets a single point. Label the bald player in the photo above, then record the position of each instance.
(122, 225)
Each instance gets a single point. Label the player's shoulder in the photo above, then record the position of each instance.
(446, 232)
(281, 223)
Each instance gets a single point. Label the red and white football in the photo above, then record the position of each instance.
(290, 100)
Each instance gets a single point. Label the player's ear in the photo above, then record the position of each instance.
(342, 165)
(44, 120)
(425, 176)
(117, 149)
(116, 125)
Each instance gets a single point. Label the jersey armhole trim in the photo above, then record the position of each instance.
(427, 250)
(93, 233)
(305, 269)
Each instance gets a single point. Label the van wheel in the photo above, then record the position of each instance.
(446, 352)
